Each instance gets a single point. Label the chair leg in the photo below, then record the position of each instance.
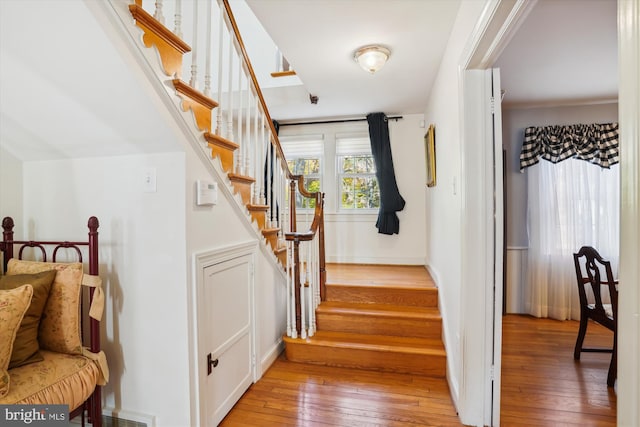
(581, 333)
(613, 366)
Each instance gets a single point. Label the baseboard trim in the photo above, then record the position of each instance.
(270, 357)
(375, 260)
(125, 418)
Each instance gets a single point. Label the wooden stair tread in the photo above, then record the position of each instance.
(217, 140)
(379, 310)
(424, 346)
(234, 177)
(257, 208)
(184, 89)
(417, 288)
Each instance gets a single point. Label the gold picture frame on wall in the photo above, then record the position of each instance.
(430, 155)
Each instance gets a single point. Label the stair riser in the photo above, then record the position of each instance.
(244, 190)
(259, 218)
(282, 257)
(373, 360)
(374, 325)
(371, 294)
(272, 238)
(226, 157)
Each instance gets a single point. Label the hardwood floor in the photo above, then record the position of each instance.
(541, 383)
(295, 394)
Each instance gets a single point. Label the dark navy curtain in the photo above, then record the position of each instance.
(390, 199)
(268, 176)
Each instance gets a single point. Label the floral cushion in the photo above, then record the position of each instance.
(13, 305)
(25, 345)
(56, 380)
(60, 324)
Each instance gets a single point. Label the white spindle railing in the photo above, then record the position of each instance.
(158, 13)
(178, 19)
(242, 117)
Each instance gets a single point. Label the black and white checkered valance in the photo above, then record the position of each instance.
(595, 143)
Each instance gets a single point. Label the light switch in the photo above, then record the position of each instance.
(149, 180)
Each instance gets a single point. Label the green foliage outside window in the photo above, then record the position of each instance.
(359, 186)
(310, 169)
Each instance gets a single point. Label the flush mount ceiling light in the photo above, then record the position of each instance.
(372, 58)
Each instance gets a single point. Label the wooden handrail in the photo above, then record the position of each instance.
(274, 135)
(305, 236)
(295, 181)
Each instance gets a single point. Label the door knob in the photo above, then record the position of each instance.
(211, 364)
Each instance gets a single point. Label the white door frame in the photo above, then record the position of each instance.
(498, 23)
(629, 299)
(482, 248)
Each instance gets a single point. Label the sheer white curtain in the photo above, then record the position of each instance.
(570, 204)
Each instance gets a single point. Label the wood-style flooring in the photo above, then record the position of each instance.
(541, 383)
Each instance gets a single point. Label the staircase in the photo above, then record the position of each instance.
(241, 163)
(387, 328)
(377, 326)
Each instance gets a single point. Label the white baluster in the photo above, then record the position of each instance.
(247, 148)
(158, 15)
(293, 296)
(263, 150)
(220, 53)
(207, 71)
(239, 157)
(268, 185)
(178, 19)
(257, 155)
(285, 206)
(316, 270)
(289, 286)
(194, 48)
(303, 327)
(230, 135)
(312, 314)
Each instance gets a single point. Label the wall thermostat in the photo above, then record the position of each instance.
(206, 193)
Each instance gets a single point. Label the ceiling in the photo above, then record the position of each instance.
(59, 99)
(319, 38)
(564, 52)
(54, 103)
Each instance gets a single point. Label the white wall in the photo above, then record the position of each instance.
(147, 242)
(219, 226)
(142, 263)
(10, 186)
(352, 237)
(443, 202)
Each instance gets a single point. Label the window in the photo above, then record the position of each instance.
(304, 157)
(357, 184)
(310, 168)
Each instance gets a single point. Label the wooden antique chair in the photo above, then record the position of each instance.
(589, 267)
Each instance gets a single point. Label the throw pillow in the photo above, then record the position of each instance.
(25, 345)
(60, 324)
(13, 305)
